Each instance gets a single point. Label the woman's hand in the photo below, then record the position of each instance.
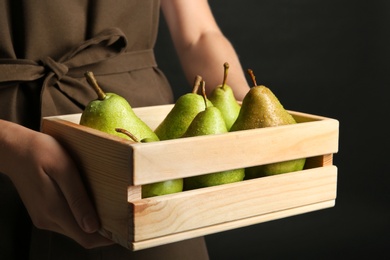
(49, 184)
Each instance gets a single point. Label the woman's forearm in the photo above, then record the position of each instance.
(13, 142)
(206, 58)
(201, 46)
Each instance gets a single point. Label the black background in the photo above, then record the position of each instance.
(329, 58)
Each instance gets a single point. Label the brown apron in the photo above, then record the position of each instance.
(45, 48)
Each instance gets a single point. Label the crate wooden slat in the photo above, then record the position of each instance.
(300, 188)
(231, 225)
(114, 170)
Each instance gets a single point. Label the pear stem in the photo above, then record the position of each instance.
(197, 81)
(92, 81)
(225, 73)
(252, 75)
(203, 85)
(124, 131)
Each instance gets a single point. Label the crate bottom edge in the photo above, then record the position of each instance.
(140, 245)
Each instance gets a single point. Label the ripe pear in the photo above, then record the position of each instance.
(110, 111)
(223, 98)
(208, 122)
(181, 115)
(158, 188)
(162, 188)
(261, 108)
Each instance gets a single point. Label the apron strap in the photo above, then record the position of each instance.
(103, 54)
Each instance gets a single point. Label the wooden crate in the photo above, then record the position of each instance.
(114, 170)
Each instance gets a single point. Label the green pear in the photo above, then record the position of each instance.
(162, 188)
(158, 188)
(261, 108)
(181, 115)
(208, 122)
(223, 98)
(110, 111)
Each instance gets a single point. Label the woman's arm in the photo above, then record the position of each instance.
(201, 46)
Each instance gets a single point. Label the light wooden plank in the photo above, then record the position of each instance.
(163, 215)
(206, 154)
(158, 241)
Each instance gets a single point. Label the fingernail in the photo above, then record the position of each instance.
(90, 224)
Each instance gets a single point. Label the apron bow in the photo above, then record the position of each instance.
(103, 54)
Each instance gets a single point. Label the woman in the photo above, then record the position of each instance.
(45, 47)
